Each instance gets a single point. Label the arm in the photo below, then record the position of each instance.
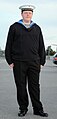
(42, 52)
(8, 48)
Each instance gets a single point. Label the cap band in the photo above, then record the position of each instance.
(27, 9)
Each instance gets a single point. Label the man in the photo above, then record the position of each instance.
(25, 53)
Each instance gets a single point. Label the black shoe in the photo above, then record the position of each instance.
(22, 113)
(41, 113)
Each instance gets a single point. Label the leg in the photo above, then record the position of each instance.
(34, 89)
(34, 86)
(19, 71)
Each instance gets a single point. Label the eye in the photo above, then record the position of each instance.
(29, 13)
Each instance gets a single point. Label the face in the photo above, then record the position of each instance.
(27, 16)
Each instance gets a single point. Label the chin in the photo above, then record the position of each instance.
(28, 19)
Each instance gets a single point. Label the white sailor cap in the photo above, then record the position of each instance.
(27, 7)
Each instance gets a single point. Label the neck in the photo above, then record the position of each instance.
(26, 22)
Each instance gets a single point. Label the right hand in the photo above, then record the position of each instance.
(11, 65)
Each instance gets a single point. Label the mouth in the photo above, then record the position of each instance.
(27, 17)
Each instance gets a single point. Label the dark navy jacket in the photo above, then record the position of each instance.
(25, 44)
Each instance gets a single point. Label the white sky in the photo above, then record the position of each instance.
(45, 15)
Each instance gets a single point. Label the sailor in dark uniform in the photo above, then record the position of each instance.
(25, 53)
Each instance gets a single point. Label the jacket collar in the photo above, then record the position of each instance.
(21, 22)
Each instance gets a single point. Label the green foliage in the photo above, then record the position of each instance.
(2, 53)
(49, 51)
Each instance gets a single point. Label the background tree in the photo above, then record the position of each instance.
(50, 51)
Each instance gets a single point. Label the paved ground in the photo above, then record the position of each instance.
(8, 102)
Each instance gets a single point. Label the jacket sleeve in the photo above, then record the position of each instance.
(42, 52)
(8, 47)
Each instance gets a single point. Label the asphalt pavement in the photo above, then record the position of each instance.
(48, 89)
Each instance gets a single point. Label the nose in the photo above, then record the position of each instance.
(27, 14)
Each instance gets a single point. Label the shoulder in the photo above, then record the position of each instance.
(14, 24)
(37, 27)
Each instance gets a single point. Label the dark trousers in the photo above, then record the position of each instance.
(24, 72)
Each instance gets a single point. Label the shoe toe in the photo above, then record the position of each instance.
(22, 113)
(41, 113)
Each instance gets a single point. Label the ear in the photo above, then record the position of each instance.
(32, 12)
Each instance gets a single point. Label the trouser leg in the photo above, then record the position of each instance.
(34, 86)
(19, 71)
